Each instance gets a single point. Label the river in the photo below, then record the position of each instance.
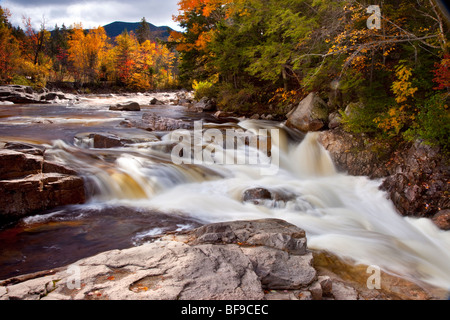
(136, 192)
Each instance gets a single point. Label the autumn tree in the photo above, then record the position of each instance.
(9, 49)
(87, 51)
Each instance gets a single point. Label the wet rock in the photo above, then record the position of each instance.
(442, 219)
(25, 196)
(104, 141)
(129, 106)
(29, 184)
(352, 154)
(258, 195)
(310, 115)
(25, 148)
(15, 164)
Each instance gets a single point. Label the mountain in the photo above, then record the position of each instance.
(117, 27)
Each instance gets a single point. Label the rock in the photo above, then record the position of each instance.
(205, 104)
(272, 233)
(334, 120)
(325, 284)
(340, 291)
(155, 101)
(353, 109)
(15, 164)
(351, 154)
(25, 94)
(25, 148)
(19, 94)
(103, 141)
(222, 114)
(280, 270)
(310, 115)
(28, 183)
(152, 122)
(25, 196)
(258, 195)
(255, 117)
(442, 219)
(129, 106)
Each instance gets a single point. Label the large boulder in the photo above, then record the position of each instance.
(310, 115)
(29, 183)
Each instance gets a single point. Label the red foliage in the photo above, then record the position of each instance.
(442, 73)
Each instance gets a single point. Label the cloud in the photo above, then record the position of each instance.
(91, 13)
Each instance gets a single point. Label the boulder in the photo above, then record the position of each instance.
(155, 101)
(103, 140)
(258, 195)
(29, 183)
(442, 219)
(128, 106)
(205, 104)
(310, 115)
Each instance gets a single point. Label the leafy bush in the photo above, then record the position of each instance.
(433, 122)
(203, 89)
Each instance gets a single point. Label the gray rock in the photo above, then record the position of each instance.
(152, 122)
(279, 270)
(341, 291)
(310, 115)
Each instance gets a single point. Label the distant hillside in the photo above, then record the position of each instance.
(117, 27)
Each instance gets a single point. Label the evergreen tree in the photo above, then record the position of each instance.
(143, 32)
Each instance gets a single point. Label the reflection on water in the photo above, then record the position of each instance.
(136, 192)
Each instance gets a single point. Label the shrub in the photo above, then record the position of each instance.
(203, 89)
(433, 122)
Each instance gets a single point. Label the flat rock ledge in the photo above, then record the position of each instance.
(241, 260)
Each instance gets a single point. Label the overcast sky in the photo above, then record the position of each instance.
(91, 13)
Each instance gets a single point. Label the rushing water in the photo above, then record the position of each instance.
(136, 192)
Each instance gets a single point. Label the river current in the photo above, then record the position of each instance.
(136, 192)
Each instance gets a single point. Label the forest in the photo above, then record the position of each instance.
(36, 57)
(383, 74)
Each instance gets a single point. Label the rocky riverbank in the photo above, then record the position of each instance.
(242, 260)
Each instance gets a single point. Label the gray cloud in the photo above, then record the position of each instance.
(91, 13)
